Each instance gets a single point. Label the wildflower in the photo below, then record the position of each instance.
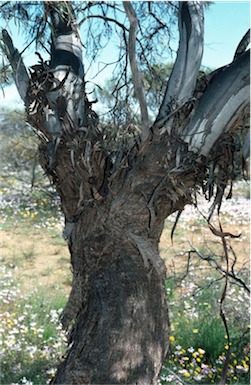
(190, 350)
(171, 338)
(198, 359)
(195, 331)
(201, 351)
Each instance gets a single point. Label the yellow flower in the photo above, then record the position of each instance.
(191, 364)
(171, 338)
(235, 362)
(201, 351)
(246, 358)
(226, 347)
(195, 331)
(235, 378)
(187, 374)
(198, 359)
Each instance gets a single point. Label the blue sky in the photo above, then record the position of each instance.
(225, 24)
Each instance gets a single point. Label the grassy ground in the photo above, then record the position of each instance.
(35, 281)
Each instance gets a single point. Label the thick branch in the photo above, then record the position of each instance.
(136, 76)
(242, 46)
(224, 101)
(20, 73)
(66, 44)
(183, 78)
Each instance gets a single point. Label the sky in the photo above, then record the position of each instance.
(226, 22)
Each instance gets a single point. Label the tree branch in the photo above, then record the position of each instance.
(242, 46)
(20, 73)
(66, 46)
(136, 76)
(223, 102)
(184, 75)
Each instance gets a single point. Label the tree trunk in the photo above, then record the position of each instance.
(115, 205)
(120, 330)
(117, 308)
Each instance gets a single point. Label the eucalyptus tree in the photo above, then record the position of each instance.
(115, 201)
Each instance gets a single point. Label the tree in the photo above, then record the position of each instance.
(115, 202)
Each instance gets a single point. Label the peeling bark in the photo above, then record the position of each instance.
(114, 212)
(225, 99)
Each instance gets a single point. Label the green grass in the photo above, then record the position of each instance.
(32, 339)
(199, 344)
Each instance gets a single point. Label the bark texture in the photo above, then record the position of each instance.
(115, 205)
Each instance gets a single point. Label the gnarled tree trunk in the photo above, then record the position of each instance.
(115, 208)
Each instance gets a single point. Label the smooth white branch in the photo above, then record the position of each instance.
(66, 48)
(136, 75)
(223, 102)
(184, 75)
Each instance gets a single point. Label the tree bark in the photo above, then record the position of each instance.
(115, 208)
(120, 331)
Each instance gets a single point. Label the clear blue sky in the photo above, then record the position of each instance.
(225, 24)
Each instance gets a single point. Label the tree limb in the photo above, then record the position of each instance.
(136, 76)
(66, 46)
(184, 75)
(20, 73)
(223, 102)
(242, 46)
